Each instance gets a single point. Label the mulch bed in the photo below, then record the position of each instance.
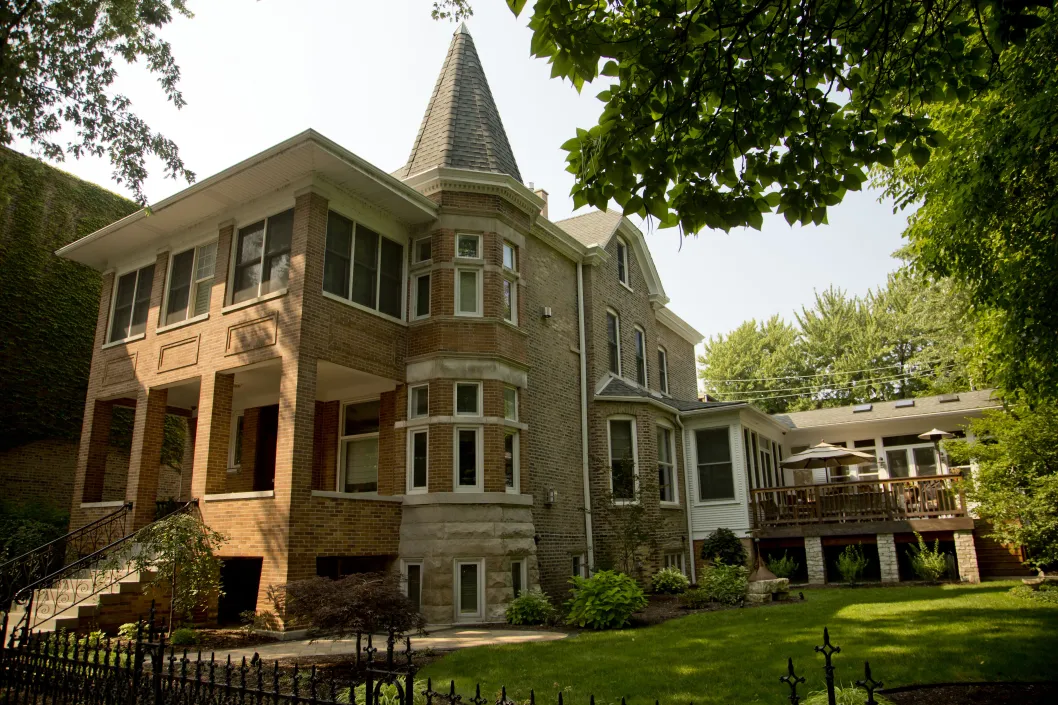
(976, 694)
(228, 639)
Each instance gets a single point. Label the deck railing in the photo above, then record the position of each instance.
(927, 497)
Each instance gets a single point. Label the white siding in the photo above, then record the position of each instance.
(706, 517)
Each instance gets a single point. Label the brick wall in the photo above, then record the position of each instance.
(683, 369)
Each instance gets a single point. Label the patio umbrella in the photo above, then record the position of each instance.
(825, 455)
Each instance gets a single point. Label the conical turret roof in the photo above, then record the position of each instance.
(462, 127)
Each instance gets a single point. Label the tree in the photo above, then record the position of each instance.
(722, 110)
(366, 603)
(629, 530)
(989, 218)
(57, 66)
(1015, 484)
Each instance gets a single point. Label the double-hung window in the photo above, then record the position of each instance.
(468, 282)
(510, 403)
(666, 467)
(419, 401)
(469, 583)
(132, 302)
(510, 283)
(418, 459)
(519, 577)
(623, 465)
(358, 464)
(422, 296)
(468, 469)
(511, 461)
(190, 283)
(262, 257)
(238, 419)
(663, 370)
(641, 356)
(622, 261)
(468, 399)
(613, 341)
(423, 249)
(362, 266)
(716, 480)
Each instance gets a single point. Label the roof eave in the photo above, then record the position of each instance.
(678, 326)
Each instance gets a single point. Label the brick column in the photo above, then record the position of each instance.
(817, 568)
(887, 558)
(98, 447)
(148, 434)
(966, 555)
(213, 433)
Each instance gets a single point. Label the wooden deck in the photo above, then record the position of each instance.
(930, 497)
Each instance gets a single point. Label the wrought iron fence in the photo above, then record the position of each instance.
(828, 650)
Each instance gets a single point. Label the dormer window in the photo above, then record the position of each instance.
(622, 261)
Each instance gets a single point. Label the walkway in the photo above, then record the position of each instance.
(443, 639)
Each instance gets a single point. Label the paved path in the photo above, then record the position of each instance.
(445, 639)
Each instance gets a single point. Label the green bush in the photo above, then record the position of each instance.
(388, 694)
(128, 630)
(695, 599)
(1044, 593)
(606, 600)
(725, 584)
(783, 567)
(531, 607)
(184, 637)
(852, 563)
(27, 526)
(928, 563)
(844, 695)
(722, 546)
(669, 581)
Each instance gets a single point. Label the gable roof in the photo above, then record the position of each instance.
(592, 229)
(922, 406)
(617, 389)
(462, 127)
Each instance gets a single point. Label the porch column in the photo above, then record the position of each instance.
(817, 569)
(887, 558)
(966, 555)
(97, 424)
(212, 435)
(148, 434)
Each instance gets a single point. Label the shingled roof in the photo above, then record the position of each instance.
(592, 229)
(462, 127)
(620, 389)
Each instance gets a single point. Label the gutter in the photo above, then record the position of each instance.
(687, 496)
(584, 419)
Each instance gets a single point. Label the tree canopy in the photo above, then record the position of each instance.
(58, 62)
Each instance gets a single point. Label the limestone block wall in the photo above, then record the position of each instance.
(817, 567)
(887, 559)
(966, 556)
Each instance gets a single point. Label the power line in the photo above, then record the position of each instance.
(806, 393)
(819, 374)
(842, 385)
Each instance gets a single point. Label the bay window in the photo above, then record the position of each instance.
(468, 459)
(418, 460)
(511, 461)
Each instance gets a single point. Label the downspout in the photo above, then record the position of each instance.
(687, 495)
(584, 418)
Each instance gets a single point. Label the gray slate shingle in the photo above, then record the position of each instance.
(618, 388)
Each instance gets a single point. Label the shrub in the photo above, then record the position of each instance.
(725, 583)
(128, 630)
(669, 581)
(844, 695)
(183, 637)
(783, 567)
(606, 600)
(1044, 593)
(928, 563)
(531, 607)
(695, 599)
(388, 694)
(722, 546)
(362, 603)
(852, 563)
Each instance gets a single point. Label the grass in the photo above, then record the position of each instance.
(910, 635)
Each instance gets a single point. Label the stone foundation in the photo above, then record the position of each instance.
(887, 559)
(817, 568)
(966, 555)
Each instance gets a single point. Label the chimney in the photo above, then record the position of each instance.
(542, 194)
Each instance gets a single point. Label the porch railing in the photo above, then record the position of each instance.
(929, 497)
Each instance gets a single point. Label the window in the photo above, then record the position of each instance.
(896, 461)
(422, 296)
(419, 401)
(510, 403)
(622, 261)
(468, 398)
(413, 583)
(518, 577)
(190, 283)
(469, 592)
(358, 461)
(235, 449)
(914, 459)
(867, 470)
(663, 370)
(580, 566)
(468, 292)
(262, 257)
(613, 341)
(362, 266)
(468, 246)
(715, 478)
(468, 459)
(510, 301)
(641, 356)
(675, 560)
(623, 470)
(132, 302)
(666, 468)
(510, 257)
(766, 462)
(418, 460)
(423, 249)
(925, 461)
(511, 461)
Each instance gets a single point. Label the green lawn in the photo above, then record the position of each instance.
(910, 635)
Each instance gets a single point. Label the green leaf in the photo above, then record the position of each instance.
(610, 69)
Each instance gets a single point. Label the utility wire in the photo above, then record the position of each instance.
(845, 384)
(807, 391)
(819, 374)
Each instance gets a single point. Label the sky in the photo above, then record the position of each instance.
(256, 72)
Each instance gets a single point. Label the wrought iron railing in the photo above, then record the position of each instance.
(30, 567)
(928, 497)
(75, 582)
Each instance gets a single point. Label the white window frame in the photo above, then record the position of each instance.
(676, 560)
(617, 331)
(191, 296)
(635, 458)
(479, 470)
(457, 580)
(517, 450)
(674, 479)
(912, 467)
(622, 261)
(410, 482)
(458, 291)
(237, 417)
(415, 250)
(411, 401)
(347, 298)
(455, 399)
(523, 572)
(513, 283)
(517, 411)
(416, 314)
(339, 480)
(663, 370)
(404, 564)
(510, 246)
(107, 342)
(480, 248)
(731, 449)
(229, 295)
(640, 336)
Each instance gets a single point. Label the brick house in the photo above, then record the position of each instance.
(415, 371)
